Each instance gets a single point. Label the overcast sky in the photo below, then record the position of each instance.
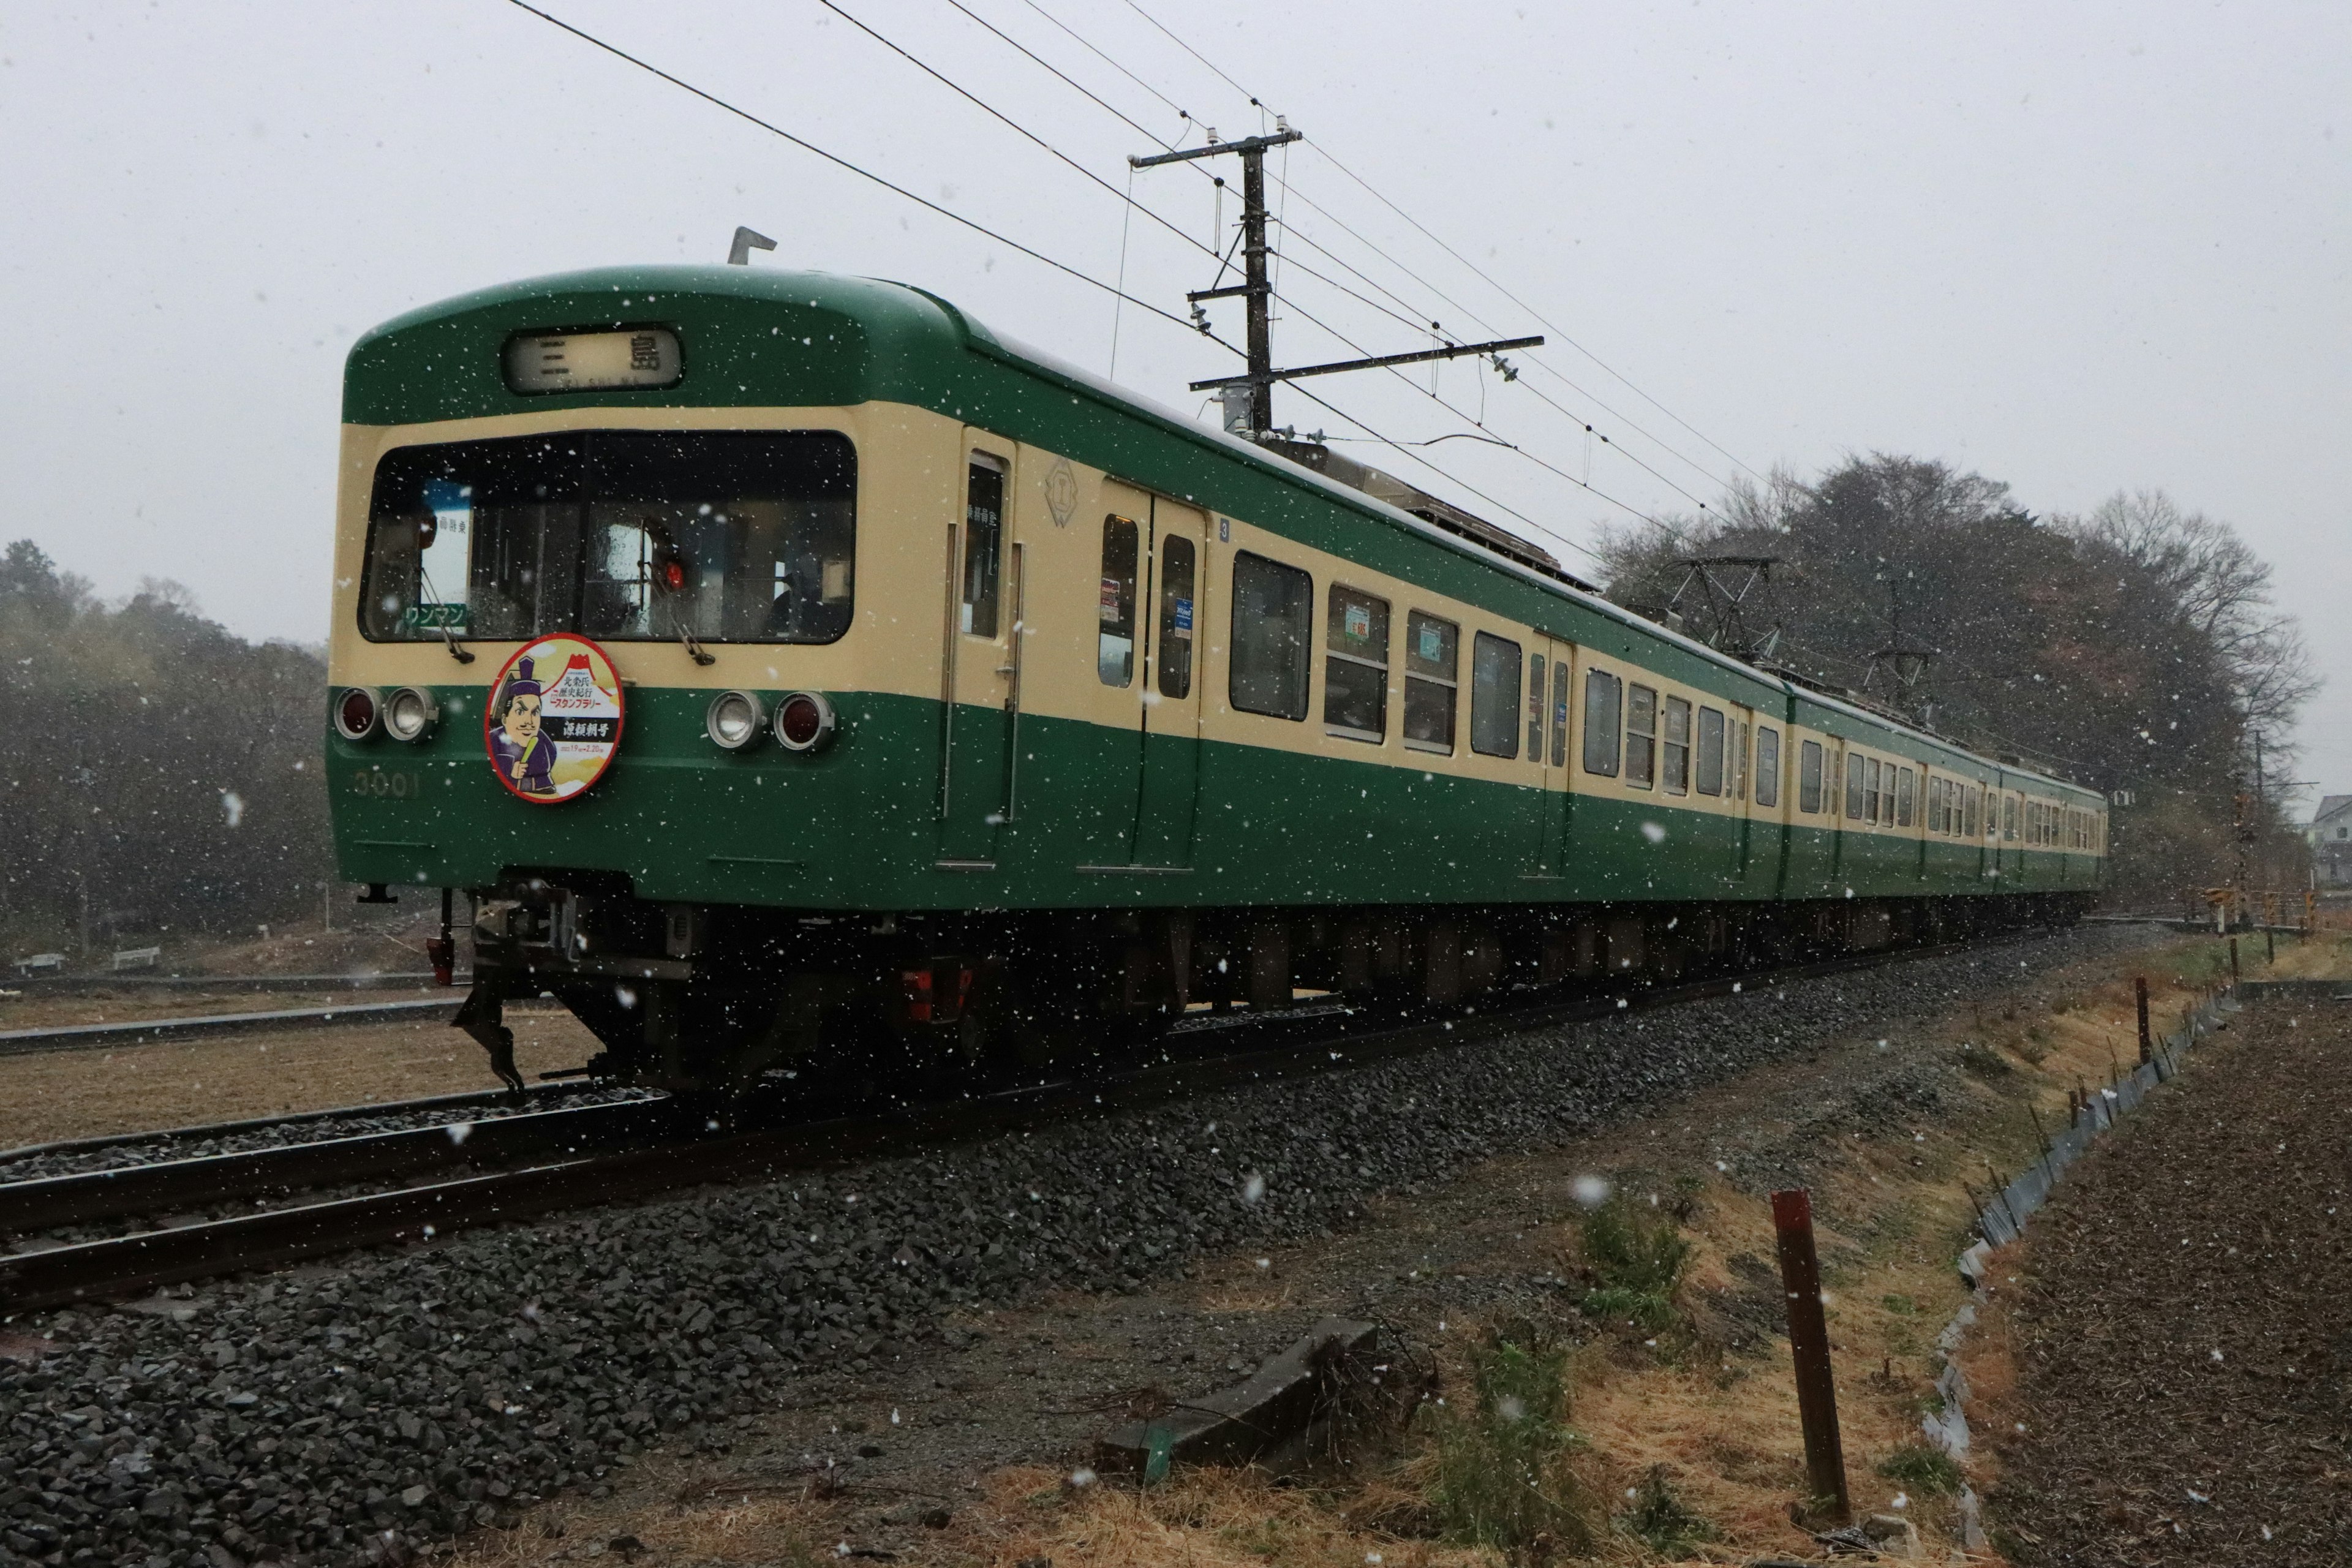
(2077, 248)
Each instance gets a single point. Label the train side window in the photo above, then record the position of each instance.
(1809, 776)
(1179, 605)
(983, 544)
(1935, 804)
(1604, 696)
(1676, 750)
(1710, 751)
(1114, 636)
(1641, 736)
(1432, 667)
(2009, 818)
(1356, 665)
(1973, 804)
(1855, 775)
(1904, 785)
(1273, 638)
(1494, 696)
(1739, 761)
(1767, 765)
(1558, 712)
(1536, 708)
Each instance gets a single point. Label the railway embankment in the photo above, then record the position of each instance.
(392, 1401)
(2167, 1355)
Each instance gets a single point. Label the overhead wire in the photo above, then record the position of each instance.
(864, 173)
(1474, 268)
(650, 69)
(1128, 197)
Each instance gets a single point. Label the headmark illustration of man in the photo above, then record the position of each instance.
(525, 757)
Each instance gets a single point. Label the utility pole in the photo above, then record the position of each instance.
(1256, 288)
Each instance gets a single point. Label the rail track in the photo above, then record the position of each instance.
(525, 1164)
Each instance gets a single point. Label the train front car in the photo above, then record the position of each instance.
(624, 649)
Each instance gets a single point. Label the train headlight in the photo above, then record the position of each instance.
(733, 719)
(411, 712)
(356, 713)
(804, 721)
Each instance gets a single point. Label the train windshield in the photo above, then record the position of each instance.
(628, 535)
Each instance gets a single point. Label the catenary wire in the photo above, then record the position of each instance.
(1479, 271)
(1307, 315)
(1414, 318)
(840, 161)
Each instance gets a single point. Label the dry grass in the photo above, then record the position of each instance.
(174, 1083)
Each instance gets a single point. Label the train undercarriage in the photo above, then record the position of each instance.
(709, 999)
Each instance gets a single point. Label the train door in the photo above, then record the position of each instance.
(1739, 746)
(1168, 788)
(1549, 669)
(978, 679)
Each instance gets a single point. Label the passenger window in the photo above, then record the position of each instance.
(1115, 642)
(1641, 736)
(1494, 696)
(1874, 794)
(1974, 805)
(1274, 621)
(1536, 708)
(1809, 776)
(1431, 652)
(1710, 751)
(1174, 655)
(1604, 693)
(983, 544)
(1356, 665)
(1677, 746)
(1560, 712)
(2009, 818)
(1767, 765)
(1856, 776)
(1903, 801)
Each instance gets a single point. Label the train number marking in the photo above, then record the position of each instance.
(393, 784)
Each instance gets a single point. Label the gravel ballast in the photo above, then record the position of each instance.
(347, 1411)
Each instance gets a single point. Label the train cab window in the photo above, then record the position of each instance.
(1641, 736)
(1856, 779)
(1273, 636)
(1172, 655)
(1560, 712)
(984, 545)
(1767, 765)
(1494, 696)
(1356, 665)
(1432, 665)
(1710, 751)
(725, 536)
(1605, 696)
(1115, 602)
(1809, 776)
(1675, 753)
(1535, 689)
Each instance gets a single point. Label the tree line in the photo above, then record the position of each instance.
(156, 773)
(2135, 649)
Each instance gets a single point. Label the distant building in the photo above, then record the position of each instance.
(2330, 838)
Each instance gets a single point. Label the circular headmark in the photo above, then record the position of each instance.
(553, 720)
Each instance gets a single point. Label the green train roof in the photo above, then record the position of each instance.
(860, 340)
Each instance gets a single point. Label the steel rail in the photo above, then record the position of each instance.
(114, 1268)
(146, 1031)
(165, 1186)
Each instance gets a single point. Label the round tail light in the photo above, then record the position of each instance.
(356, 711)
(733, 719)
(804, 721)
(410, 713)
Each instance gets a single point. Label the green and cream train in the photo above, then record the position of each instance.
(783, 664)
